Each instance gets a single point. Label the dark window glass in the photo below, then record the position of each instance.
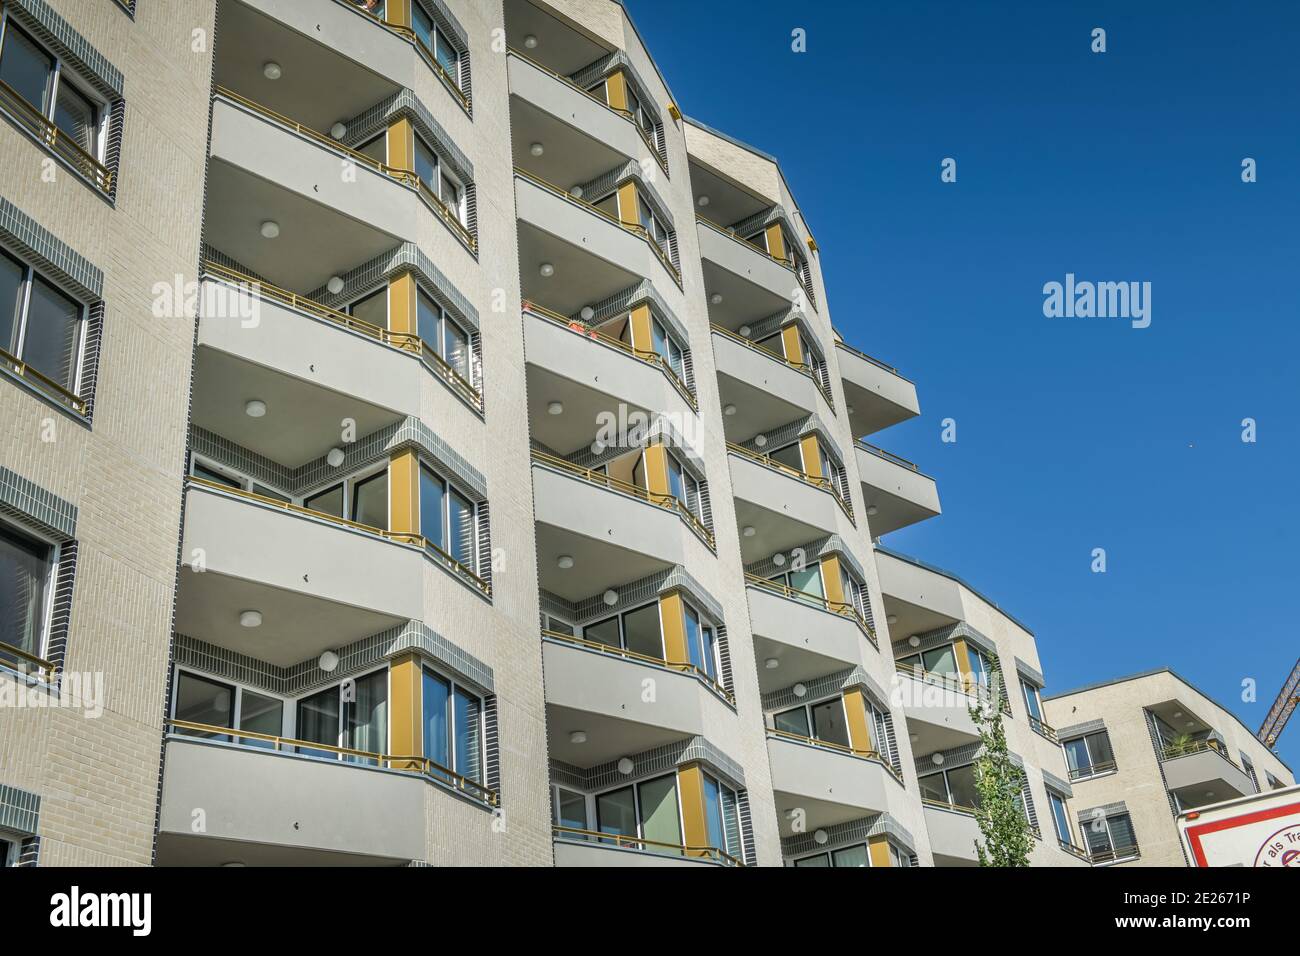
(641, 631)
(203, 701)
(27, 68)
(329, 501)
(850, 856)
(373, 308)
(814, 861)
(462, 529)
(422, 24)
(570, 810)
(793, 722)
(318, 721)
(448, 58)
(78, 117)
(429, 320)
(829, 723)
(52, 335)
(370, 501)
(468, 713)
(455, 349)
(603, 632)
(11, 287)
(616, 812)
(432, 497)
(365, 715)
(260, 715)
(210, 474)
(24, 572)
(437, 737)
(426, 165)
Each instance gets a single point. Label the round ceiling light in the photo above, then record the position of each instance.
(255, 408)
(270, 229)
(565, 561)
(328, 661)
(547, 270)
(272, 70)
(555, 408)
(334, 285)
(250, 618)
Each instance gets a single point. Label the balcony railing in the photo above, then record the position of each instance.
(802, 367)
(957, 684)
(15, 658)
(406, 341)
(633, 227)
(869, 358)
(1095, 770)
(624, 842)
(44, 384)
(645, 355)
(889, 456)
(1075, 851)
(666, 501)
(1115, 854)
(1038, 726)
(406, 33)
(874, 755)
(1173, 750)
(684, 667)
(842, 608)
(48, 134)
(400, 537)
(626, 114)
(407, 177)
(825, 484)
(732, 234)
(422, 766)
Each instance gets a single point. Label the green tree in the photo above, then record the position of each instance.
(1000, 814)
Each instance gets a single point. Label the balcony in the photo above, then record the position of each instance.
(953, 833)
(876, 394)
(937, 707)
(591, 848)
(1200, 772)
(920, 597)
(50, 137)
(590, 372)
(829, 783)
(809, 636)
(766, 389)
(750, 283)
(900, 494)
(785, 507)
(266, 804)
(588, 231)
(600, 690)
(582, 135)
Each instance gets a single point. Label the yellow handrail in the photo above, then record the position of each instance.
(683, 666)
(406, 341)
(1172, 751)
(889, 456)
(838, 748)
(842, 608)
(406, 177)
(667, 501)
(40, 664)
(825, 484)
(44, 383)
(626, 114)
(645, 355)
(623, 841)
(48, 133)
(945, 805)
(633, 227)
(400, 537)
(732, 234)
(722, 330)
(413, 764)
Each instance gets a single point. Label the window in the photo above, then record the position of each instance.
(228, 477)
(569, 809)
(684, 486)
(376, 148)
(807, 581)
(1060, 817)
(637, 630)
(1032, 703)
(858, 855)
(448, 518)
(1110, 837)
(372, 308)
(981, 668)
(39, 324)
(1089, 755)
(444, 336)
(652, 224)
(8, 850)
(667, 347)
(453, 726)
(722, 816)
(937, 660)
(955, 787)
(1249, 767)
(352, 714)
(49, 88)
(644, 811)
(27, 572)
(824, 721)
(701, 642)
(790, 455)
(1273, 782)
(438, 179)
(436, 42)
(855, 592)
(362, 498)
(202, 700)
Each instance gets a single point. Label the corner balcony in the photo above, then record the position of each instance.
(591, 848)
(266, 803)
(953, 833)
(1200, 772)
(590, 372)
(937, 708)
(785, 507)
(767, 389)
(612, 531)
(585, 229)
(900, 494)
(829, 783)
(600, 690)
(584, 136)
(810, 637)
(877, 395)
(751, 284)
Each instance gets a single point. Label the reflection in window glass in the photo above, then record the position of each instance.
(462, 529)
(318, 721)
(432, 507)
(52, 336)
(468, 713)
(260, 714)
(850, 856)
(829, 723)
(203, 701)
(370, 501)
(641, 631)
(616, 812)
(24, 573)
(660, 821)
(437, 737)
(570, 810)
(11, 286)
(27, 68)
(373, 308)
(793, 722)
(328, 502)
(78, 117)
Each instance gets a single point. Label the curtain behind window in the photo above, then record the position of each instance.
(24, 570)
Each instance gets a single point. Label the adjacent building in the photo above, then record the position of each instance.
(423, 444)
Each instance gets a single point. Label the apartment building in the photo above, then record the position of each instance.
(1144, 748)
(408, 408)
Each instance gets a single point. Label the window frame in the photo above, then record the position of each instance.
(448, 486)
(440, 174)
(807, 707)
(78, 82)
(439, 347)
(1092, 760)
(436, 32)
(291, 716)
(619, 616)
(348, 482)
(11, 848)
(1055, 801)
(52, 563)
(287, 714)
(635, 786)
(452, 734)
(22, 319)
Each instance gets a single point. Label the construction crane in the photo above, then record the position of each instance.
(1281, 710)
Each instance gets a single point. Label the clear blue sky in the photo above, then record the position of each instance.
(1073, 434)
